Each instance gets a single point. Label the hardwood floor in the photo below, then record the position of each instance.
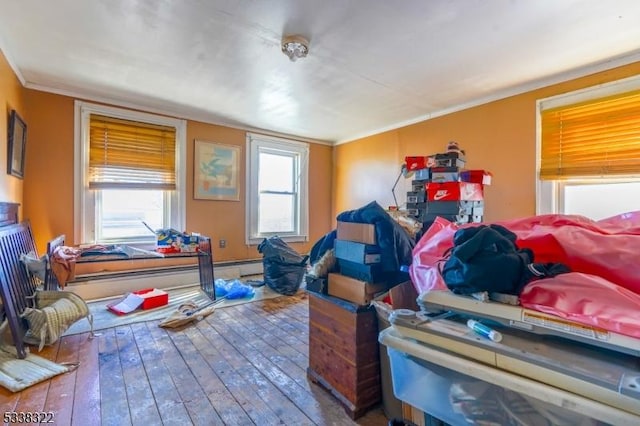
(242, 365)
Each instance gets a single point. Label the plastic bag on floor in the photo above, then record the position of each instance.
(233, 289)
(284, 268)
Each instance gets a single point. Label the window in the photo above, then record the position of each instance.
(277, 201)
(129, 175)
(589, 151)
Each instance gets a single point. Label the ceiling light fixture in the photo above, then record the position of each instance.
(295, 46)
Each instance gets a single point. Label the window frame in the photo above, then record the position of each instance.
(85, 199)
(550, 193)
(300, 150)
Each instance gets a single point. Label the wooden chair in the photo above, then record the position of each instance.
(205, 267)
(50, 279)
(50, 312)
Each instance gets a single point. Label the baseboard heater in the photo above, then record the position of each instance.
(111, 284)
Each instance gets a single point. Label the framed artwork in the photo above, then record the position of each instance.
(215, 171)
(16, 144)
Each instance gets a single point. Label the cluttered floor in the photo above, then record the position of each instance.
(242, 365)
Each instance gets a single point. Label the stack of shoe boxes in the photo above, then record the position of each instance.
(358, 255)
(442, 187)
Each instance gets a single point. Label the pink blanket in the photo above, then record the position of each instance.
(604, 288)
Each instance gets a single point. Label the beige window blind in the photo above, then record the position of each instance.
(598, 138)
(127, 154)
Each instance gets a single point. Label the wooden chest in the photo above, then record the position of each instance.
(343, 352)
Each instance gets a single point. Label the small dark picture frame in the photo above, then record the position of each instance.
(16, 144)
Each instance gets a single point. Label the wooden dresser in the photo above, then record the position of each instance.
(343, 352)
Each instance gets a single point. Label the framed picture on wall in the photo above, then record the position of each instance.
(16, 144)
(216, 170)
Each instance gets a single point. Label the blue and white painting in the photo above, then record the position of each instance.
(216, 171)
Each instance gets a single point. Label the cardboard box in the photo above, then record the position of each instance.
(152, 298)
(359, 232)
(356, 291)
(404, 296)
(357, 252)
(369, 273)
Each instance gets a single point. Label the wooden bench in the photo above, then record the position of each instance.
(15, 284)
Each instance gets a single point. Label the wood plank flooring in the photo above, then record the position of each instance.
(242, 365)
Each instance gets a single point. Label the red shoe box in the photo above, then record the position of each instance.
(476, 176)
(416, 163)
(454, 191)
(153, 298)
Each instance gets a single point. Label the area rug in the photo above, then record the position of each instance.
(103, 318)
(18, 374)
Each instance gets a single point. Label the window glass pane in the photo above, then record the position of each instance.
(122, 212)
(276, 213)
(276, 173)
(600, 201)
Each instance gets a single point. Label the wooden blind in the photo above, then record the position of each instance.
(597, 138)
(128, 154)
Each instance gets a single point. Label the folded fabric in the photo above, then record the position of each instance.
(586, 299)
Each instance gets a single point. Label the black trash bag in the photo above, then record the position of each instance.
(284, 268)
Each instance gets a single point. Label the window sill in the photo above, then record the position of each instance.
(287, 239)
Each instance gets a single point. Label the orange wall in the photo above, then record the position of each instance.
(499, 136)
(49, 196)
(11, 97)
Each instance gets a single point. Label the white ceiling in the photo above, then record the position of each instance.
(373, 64)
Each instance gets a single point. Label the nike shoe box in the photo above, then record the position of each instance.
(419, 162)
(416, 197)
(419, 185)
(423, 174)
(444, 174)
(454, 191)
(476, 176)
(449, 159)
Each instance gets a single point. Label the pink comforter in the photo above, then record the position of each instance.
(604, 288)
